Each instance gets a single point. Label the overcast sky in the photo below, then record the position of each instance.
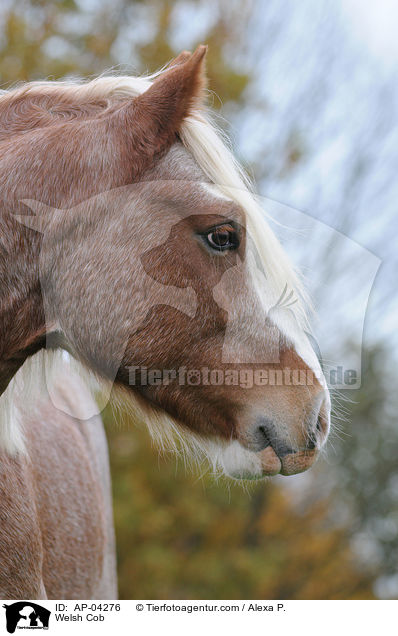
(327, 76)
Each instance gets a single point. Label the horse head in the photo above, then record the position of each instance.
(159, 272)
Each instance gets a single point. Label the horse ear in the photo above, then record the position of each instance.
(180, 59)
(155, 117)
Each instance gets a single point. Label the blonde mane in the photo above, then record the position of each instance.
(206, 144)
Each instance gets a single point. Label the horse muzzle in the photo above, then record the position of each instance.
(283, 447)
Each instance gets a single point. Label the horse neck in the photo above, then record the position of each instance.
(22, 323)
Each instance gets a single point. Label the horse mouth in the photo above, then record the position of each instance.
(266, 452)
(269, 464)
(287, 464)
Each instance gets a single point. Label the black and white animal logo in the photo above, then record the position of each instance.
(26, 615)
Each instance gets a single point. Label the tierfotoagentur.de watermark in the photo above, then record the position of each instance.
(244, 378)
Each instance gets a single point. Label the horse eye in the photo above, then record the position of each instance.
(223, 237)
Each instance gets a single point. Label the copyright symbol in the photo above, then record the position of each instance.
(139, 607)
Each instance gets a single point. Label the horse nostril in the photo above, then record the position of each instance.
(262, 437)
(266, 434)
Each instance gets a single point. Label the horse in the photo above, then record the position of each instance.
(136, 261)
